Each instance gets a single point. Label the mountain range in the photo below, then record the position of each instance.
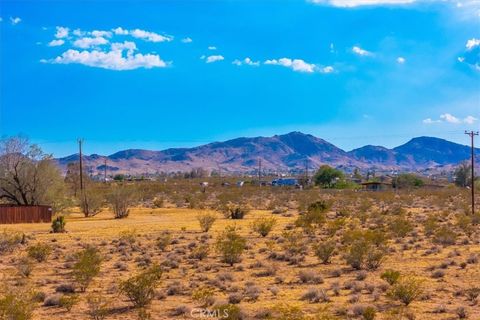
(292, 151)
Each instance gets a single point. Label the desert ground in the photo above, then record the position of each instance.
(428, 237)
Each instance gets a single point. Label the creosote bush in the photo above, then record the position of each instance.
(140, 289)
(206, 221)
(314, 217)
(324, 250)
(16, 304)
(391, 276)
(204, 296)
(120, 199)
(263, 225)
(163, 240)
(39, 251)
(230, 245)
(86, 267)
(98, 306)
(406, 290)
(10, 240)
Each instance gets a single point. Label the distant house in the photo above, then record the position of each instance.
(293, 182)
(376, 186)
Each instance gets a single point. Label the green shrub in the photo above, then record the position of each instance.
(10, 240)
(445, 236)
(430, 225)
(206, 221)
(406, 290)
(86, 267)
(230, 245)
(294, 243)
(391, 276)
(400, 226)
(334, 225)
(235, 212)
(363, 252)
(24, 267)
(204, 296)
(39, 252)
(68, 301)
(120, 200)
(200, 252)
(128, 236)
(163, 240)
(314, 217)
(369, 313)
(324, 251)
(229, 312)
(16, 304)
(263, 225)
(98, 306)
(91, 201)
(58, 224)
(140, 289)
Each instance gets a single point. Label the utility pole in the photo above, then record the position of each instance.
(105, 171)
(260, 172)
(80, 141)
(306, 171)
(472, 134)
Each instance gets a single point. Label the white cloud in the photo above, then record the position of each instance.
(149, 36)
(246, 61)
(472, 43)
(469, 119)
(56, 43)
(356, 3)
(78, 33)
(120, 31)
(100, 33)
(15, 20)
(187, 40)
(327, 69)
(88, 42)
(450, 118)
(112, 60)
(214, 58)
(212, 48)
(361, 52)
(62, 32)
(430, 121)
(401, 60)
(294, 64)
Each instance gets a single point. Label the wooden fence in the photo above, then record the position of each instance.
(25, 214)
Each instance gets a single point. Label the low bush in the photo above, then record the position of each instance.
(263, 225)
(10, 240)
(16, 304)
(230, 245)
(163, 240)
(206, 221)
(390, 276)
(58, 224)
(68, 301)
(86, 267)
(140, 289)
(406, 290)
(324, 251)
(24, 267)
(204, 296)
(445, 236)
(200, 252)
(39, 252)
(98, 306)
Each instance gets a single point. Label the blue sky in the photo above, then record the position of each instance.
(160, 74)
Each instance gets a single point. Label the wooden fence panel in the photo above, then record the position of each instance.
(25, 214)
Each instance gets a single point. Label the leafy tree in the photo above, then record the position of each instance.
(120, 199)
(463, 175)
(407, 180)
(28, 176)
(327, 177)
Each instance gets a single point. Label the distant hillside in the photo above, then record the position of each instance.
(280, 152)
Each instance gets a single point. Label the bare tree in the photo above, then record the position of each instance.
(463, 176)
(27, 175)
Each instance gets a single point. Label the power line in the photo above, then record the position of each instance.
(472, 134)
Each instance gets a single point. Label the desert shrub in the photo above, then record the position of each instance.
(24, 267)
(472, 293)
(324, 250)
(68, 301)
(120, 199)
(91, 201)
(445, 236)
(158, 202)
(288, 312)
(309, 276)
(294, 243)
(406, 290)
(39, 251)
(263, 225)
(200, 252)
(230, 245)
(314, 217)
(128, 236)
(390, 276)
(400, 226)
(206, 221)
(369, 313)
(204, 296)
(10, 240)
(163, 240)
(86, 267)
(58, 224)
(98, 306)
(363, 254)
(140, 289)
(229, 312)
(235, 213)
(464, 222)
(334, 225)
(430, 225)
(16, 304)
(315, 295)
